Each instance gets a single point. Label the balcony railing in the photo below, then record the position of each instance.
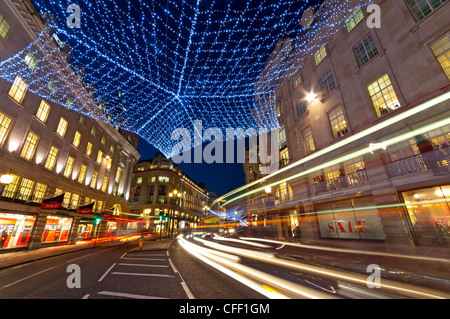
(437, 159)
(342, 182)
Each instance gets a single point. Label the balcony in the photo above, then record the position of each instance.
(436, 160)
(319, 185)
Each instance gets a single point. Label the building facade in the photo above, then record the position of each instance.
(365, 138)
(50, 150)
(153, 182)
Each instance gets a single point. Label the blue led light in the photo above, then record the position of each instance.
(175, 61)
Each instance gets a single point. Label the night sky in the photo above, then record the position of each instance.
(220, 178)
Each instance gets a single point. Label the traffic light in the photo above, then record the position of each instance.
(166, 218)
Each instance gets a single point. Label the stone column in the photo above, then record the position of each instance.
(38, 231)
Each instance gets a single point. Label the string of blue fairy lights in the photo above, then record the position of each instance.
(155, 66)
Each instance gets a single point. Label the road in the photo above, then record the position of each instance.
(208, 266)
(121, 271)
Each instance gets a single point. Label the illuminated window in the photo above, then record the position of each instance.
(18, 89)
(308, 140)
(82, 176)
(162, 179)
(4, 27)
(284, 157)
(105, 184)
(39, 193)
(25, 189)
(75, 201)
(139, 180)
(69, 167)
(320, 55)
(355, 17)
(94, 180)
(103, 140)
(62, 127)
(118, 174)
(327, 83)
(77, 139)
(31, 61)
(10, 190)
(66, 200)
(441, 49)
(99, 157)
(51, 159)
(338, 123)
(297, 81)
(29, 146)
(109, 163)
(43, 111)
(94, 131)
(87, 201)
(420, 9)
(5, 124)
(383, 96)
(365, 51)
(89, 149)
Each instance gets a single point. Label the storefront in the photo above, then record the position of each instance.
(56, 229)
(85, 230)
(429, 214)
(15, 230)
(355, 218)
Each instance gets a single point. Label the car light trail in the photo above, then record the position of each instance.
(387, 285)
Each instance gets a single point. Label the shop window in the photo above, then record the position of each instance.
(383, 96)
(15, 230)
(43, 111)
(18, 90)
(5, 124)
(441, 50)
(30, 146)
(56, 230)
(429, 214)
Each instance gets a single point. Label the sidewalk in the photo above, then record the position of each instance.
(11, 259)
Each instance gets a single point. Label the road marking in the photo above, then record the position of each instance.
(86, 297)
(123, 295)
(175, 270)
(148, 255)
(138, 274)
(106, 273)
(123, 255)
(151, 259)
(187, 291)
(78, 258)
(143, 265)
(38, 273)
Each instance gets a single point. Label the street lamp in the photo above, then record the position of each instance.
(174, 195)
(5, 180)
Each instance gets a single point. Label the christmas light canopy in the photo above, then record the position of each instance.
(154, 66)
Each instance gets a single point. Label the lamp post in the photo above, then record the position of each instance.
(174, 196)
